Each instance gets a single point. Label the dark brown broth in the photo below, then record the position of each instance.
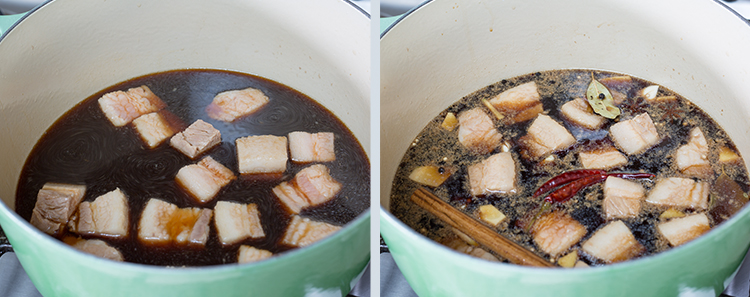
(84, 147)
(436, 146)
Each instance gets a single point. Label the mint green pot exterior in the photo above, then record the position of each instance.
(445, 50)
(68, 49)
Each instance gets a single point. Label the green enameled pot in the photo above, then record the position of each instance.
(66, 50)
(444, 50)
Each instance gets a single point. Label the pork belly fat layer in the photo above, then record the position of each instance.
(555, 232)
(544, 136)
(262, 154)
(495, 174)
(679, 192)
(635, 135)
(249, 254)
(580, 113)
(123, 107)
(290, 197)
(153, 129)
(622, 198)
(681, 230)
(205, 179)
(477, 132)
(94, 247)
(520, 103)
(602, 159)
(236, 222)
(55, 204)
(198, 138)
(311, 186)
(231, 105)
(692, 158)
(163, 222)
(106, 216)
(311, 147)
(304, 232)
(613, 243)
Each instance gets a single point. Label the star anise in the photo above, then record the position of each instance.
(671, 111)
(635, 106)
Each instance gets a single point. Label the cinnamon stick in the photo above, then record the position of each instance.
(485, 236)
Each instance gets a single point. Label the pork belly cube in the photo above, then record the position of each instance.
(679, 192)
(55, 204)
(163, 222)
(580, 113)
(231, 105)
(311, 147)
(622, 198)
(316, 183)
(555, 232)
(463, 247)
(153, 129)
(496, 174)
(521, 103)
(123, 107)
(681, 230)
(262, 154)
(477, 132)
(613, 243)
(303, 231)
(236, 222)
(545, 136)
(94, 247)
(635, 135)
(106, 216)
(692, 158)
(602, 159)
(290, 197)
(205, 179)
(198, 138)
(249, 254)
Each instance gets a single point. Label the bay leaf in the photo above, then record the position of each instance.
(601, 99)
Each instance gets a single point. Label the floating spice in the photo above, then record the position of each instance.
(601, 99)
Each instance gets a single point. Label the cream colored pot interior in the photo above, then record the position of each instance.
(49, 67)
(446, 50)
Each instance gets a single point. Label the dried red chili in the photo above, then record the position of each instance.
(566, 178)
(569, 190)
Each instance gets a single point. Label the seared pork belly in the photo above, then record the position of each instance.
(262, 154)
(231, 105)
(205, 179)
(162, 222)
(153, 128)
(311, 186)
(198, 138)
(545, 136)
(55, 204)
(613, 243)
(622, 198)
(556, 231)
(679, 192)
(520, 103)
(303, 231)
(681, 230)
(236, 222)
(249, 254)
(123, 107)
(94, 247)
(635, 135)
(496, 174)
(579, 112)
(463, 247)
(106, 216)
(602, 159)
(692, 158)
(477, 132)
(311, 147)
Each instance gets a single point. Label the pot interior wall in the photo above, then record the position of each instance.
(445, 50)
(68, 50)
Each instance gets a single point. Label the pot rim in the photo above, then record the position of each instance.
(43, 238)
